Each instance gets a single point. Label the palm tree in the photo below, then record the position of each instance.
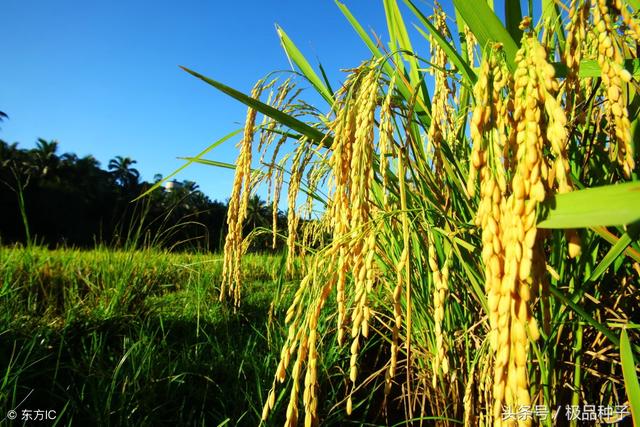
(68, 159)
(8, 153)
(190, 186)
(87, 169)
(258, 213)
(123, 172)
(45, 158)
(3, 116)
(88, 162)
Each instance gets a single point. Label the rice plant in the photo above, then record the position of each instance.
(447, 218)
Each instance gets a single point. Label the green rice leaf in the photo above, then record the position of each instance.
(584, 315)
(453, 55)
(551, 16)
(631, 384)
(400, 40)
(312, 133)
(513, 17)
(609, 205)
(301, 62)
(486, 26)
(611, 256)
(208, 162)
(324, 77)
(607, 235)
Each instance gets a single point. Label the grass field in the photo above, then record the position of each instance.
(135, 338)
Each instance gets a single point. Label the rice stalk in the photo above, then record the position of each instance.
(427, 237)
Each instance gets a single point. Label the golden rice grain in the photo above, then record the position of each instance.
(442, 114)
(236, 213)
(611, 62)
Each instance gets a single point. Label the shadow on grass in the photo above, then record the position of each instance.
(153, 369)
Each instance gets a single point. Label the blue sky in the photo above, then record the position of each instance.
(102, 78)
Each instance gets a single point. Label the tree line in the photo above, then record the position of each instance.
(57, 199)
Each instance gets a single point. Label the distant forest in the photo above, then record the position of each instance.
(56, 199)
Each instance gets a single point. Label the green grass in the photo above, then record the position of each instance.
(136, 338)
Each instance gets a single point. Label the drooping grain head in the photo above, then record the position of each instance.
(614, 76)
(233, 247)
(442, 113)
